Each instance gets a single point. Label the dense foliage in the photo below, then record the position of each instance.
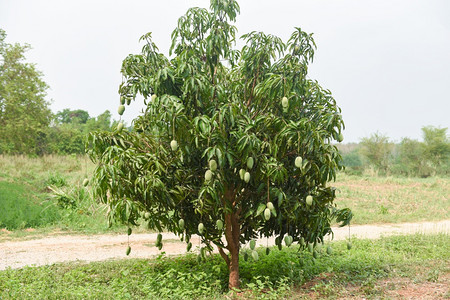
(68, 133)
(24, 111)
(231, 143)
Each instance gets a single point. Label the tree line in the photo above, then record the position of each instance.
(409, 157)
(27, 125)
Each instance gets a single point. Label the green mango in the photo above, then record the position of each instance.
(255, 255)
(181, 224)
(250, 162)
(284, 102)
(242, 174)
(208, 175)
(174, 145)
(219, 224)
(247, 177)
(201, 228)
(298, 162)
(213, 165)
(121, 109)
(252, 244)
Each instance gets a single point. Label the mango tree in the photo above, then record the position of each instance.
(232, 145)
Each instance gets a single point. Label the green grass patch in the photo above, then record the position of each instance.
(281, 274)
(21, 207)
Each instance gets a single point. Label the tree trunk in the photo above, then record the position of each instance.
(233, 279)
(232, 234)
(233, 267)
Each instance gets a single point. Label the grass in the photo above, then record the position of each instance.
(29, 202)
(370, 270)
(32, 212)
(394, 200)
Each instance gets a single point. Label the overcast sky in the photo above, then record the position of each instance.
(387, 62)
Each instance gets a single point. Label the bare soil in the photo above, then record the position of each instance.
(65, 248)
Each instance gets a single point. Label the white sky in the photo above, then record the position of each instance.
(387, 62)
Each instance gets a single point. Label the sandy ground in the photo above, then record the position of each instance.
(55, 249)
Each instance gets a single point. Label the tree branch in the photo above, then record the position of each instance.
(224, 256)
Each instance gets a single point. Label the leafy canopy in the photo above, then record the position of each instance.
(209, 101)
(24, 111)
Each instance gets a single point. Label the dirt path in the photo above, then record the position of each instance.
(49, 250)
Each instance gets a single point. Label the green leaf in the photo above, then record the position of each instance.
(260, 209)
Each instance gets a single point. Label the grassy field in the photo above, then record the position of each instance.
(27, 201)
(371, 269)
(394, 200)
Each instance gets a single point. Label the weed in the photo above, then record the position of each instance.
(383, 210)
(433, 275)
(56, 179)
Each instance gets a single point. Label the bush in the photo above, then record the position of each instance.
(353, 162)
(436, 148)
(377, 149)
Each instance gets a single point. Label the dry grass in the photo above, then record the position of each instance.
(394, 200)
(26, 168)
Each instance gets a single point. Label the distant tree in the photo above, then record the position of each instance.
(410, 159)
(102, 122)
(436, 146)
(24, 111)
(377, 149)
(65, 138)
(78, 116)
(352, 161)
(232, 145)
(68, 134)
